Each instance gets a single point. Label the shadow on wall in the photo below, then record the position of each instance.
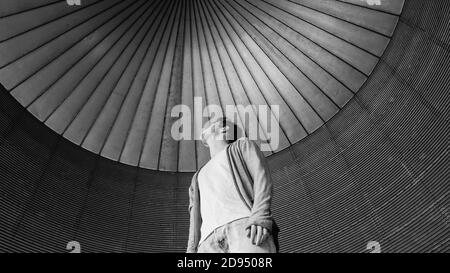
(376, 172)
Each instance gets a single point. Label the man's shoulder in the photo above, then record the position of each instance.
(245, 143)
(244, 140)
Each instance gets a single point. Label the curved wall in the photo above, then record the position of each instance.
(53, 192)
(377, 171)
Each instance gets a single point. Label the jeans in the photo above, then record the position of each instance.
(232, 238)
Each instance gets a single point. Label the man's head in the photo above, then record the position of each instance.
(221, 129)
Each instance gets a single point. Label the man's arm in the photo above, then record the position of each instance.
(260, 222)
(191, 248)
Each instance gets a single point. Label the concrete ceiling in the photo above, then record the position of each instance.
(106, 74)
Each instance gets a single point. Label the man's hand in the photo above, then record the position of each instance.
(257, 234)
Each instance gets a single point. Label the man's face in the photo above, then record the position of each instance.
(214, 130)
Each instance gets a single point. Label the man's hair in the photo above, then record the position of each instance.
(233, 127)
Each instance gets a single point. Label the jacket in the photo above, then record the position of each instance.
(253, 182)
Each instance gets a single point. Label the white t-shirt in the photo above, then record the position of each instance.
(220, 202)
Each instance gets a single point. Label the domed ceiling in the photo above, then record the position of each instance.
(106, 74)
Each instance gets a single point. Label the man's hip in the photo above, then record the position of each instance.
(232, 238)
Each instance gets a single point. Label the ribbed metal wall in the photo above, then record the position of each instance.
(377, 171)
(53, 192)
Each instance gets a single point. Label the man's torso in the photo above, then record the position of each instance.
(220, 202)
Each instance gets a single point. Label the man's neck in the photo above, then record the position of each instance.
(216, 146)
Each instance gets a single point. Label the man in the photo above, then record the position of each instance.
(230, 196)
